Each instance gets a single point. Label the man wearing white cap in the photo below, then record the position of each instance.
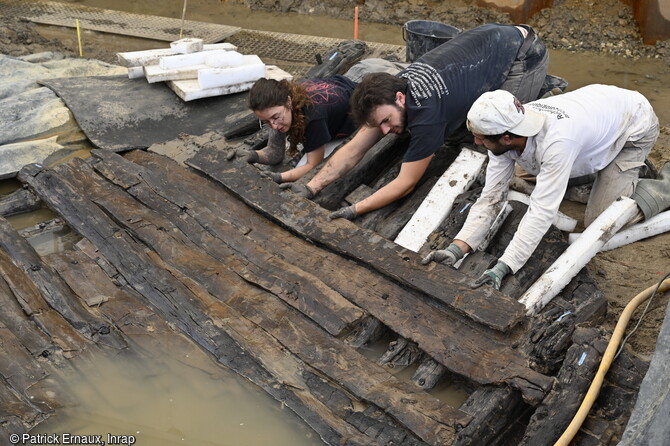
(596, 129)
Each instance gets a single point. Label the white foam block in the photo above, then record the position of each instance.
(154, 73)
(251, 70)
(187, 45)
(190, 89)
(152, 57)
(135, 72)
(223, 59)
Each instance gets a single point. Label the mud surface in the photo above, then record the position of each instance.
(589, 30)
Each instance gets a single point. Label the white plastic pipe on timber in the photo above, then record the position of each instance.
(573, 259)
(656, 225)
(562, 221)
(437, 204)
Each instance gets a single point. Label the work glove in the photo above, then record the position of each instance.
(274, 176)
(300, 189)
(493, 276)
(348, 212)
(448, 256)
(243, 153)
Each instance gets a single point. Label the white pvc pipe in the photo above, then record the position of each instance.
(436, 206)
(656, 225)
(573, 259)
(562, 221)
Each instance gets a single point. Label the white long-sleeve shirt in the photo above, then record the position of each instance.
(583, 132)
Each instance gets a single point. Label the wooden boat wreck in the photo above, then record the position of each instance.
(178, 237)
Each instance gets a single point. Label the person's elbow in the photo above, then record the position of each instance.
(405, 186)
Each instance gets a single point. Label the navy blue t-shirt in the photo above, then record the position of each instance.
(443, 84)
(328, 116)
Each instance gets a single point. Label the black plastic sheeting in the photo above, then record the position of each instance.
(117, 113)
(649, 423)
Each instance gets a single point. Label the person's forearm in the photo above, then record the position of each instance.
(384, 196)
(296, 173)
(345, 158)
(338, 165)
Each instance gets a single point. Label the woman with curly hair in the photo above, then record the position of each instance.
(311, 113)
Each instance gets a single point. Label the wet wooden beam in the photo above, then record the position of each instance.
(378, 158)
(54, 290)
(486, 305)
(481, 355)
(428, 374)
(420, 415)
(19, 201)
(400, 353)
(15, 319)
(300, 289)
(553, 416)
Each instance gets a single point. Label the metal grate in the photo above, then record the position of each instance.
(116, 22)
(295, 53)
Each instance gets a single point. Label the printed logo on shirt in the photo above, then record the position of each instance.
(423, 82)
(560, 114)
(519, 106)
(322, 92)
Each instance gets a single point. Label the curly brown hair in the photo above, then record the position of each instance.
(268, 93)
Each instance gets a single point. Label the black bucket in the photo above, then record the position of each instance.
(422, 36)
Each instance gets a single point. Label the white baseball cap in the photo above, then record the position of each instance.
(497, 112)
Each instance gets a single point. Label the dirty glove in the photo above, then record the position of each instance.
(274, 176)
(300, 189)
(493, 276)
(250, 156)
(448, 256)
(348, 212)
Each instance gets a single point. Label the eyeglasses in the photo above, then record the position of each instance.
(275, 119)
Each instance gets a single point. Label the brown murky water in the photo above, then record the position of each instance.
(181, 397)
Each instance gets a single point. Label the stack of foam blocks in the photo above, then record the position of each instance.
(195, 70)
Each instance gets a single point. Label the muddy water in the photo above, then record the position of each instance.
(171, 397)
(170, 400)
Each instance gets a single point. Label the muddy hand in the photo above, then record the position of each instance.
(300, 189)
(243, 153)
(274, 176)
(348, 212)
(493, 276)
(448, 256)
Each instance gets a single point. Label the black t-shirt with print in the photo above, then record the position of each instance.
(328, 117)
(443, 83)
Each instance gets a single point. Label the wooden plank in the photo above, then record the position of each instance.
(155, 282)
(432, 420)
(21, 200)
(13, 317)
(553, 416)
(82, 274)
(333, 355)
(484, 305)
(21, 290)
(55, 291)
(482, 355)
(304, 291)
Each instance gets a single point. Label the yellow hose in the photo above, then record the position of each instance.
(608, 357)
